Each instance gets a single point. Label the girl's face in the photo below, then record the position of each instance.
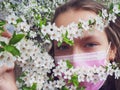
(91, 42)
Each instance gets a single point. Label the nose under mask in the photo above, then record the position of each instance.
(86, 59)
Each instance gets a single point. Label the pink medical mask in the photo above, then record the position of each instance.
(87, 59)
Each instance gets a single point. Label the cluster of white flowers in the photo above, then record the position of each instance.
(92, 74)
(37, 63)
(34, 63)
(32, 8)
(26, 14)
(21, 26)
(54, 85)
(75, 30)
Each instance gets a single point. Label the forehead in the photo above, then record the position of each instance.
(73, 16)
(70, 16)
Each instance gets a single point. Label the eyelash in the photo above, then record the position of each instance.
(90, 45)
(87, 45)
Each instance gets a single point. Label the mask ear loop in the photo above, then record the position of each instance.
(108, 47)
(107, 52)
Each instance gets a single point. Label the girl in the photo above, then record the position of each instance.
(93, 42)
(90, 43)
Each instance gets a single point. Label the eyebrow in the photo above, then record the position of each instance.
(91, 37)
(85, 39)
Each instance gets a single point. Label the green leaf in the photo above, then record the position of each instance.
(69, 65)
(14, 34)
(19, 20)
(12, 49)
(1, 29)
(74, 80)
(79, 25)
(26, 88)
(100, 13)
(119, 6)
(47, 37)
(42, 22)
(19, 78)
(23, 74)
(2, 49)
(16, 38)
(64, 88)
(118, 14)
(66, 34)
(81, 88)
(37, 17)
(2, 23)
(68, 41)
(59, 44)
(34, 86)
(3, 43)
(111, 8)
(91, 22)
(13, 6)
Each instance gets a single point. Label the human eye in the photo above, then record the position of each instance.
(63, 47)
(90, 45)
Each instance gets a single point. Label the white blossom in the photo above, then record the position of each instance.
(117, 73)
(23, 26)
(112, 17)
(99, 24)
(85, 24)
(33, 34)
(104, 13)
(67, 75)
(60, 83)
(116, 9)
(7, 59)
(72, 87)
(57, 71)
(4, 39)
(12, 19)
